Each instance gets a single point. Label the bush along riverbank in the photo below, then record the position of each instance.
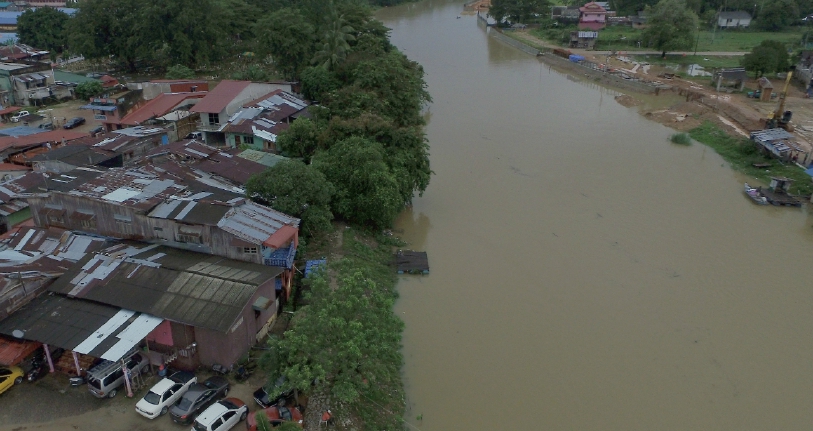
(343, 346)
(742, 154)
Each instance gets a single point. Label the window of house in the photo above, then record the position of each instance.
(214, 118)
(250, 250)
(158, 229)
(56, 218)
(190, 234)
(249, 140)
(88, 223)
(124, 224)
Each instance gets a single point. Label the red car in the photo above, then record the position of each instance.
(276, 415)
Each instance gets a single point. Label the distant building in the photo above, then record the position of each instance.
(29, 83)
(593, 17)
(583, 39)
(260, 121)
(228, 98)
(565, 13)
(733, 19)
(112, 107)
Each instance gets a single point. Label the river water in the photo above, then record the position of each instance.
(586, 273)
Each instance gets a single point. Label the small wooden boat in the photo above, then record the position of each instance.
(755, 195)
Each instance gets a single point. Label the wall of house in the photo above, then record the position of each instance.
(105, 215)
(213, 240)
(227, 348)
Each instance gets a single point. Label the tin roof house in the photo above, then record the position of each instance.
(733, 19)
(224, 101)
(148, 203)
(190, 309)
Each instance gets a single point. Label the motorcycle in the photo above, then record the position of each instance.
(39, 367)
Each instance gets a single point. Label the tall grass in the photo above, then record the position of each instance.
(681, 139)
(742, 153)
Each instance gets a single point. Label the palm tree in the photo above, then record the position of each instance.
(335, 40)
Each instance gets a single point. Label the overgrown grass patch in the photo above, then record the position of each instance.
(681, 139)
(742, 154)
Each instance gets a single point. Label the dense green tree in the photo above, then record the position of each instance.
(296, 189)
(187, 32)
(179, 71)
(367, 191)
(254, 73)
(670, 26)
(318, 82)
(395, 80)
(777, 15)
(517, 11)
(300, 140)
(335, 42)
(89, 89)
(102, 28)
(768, 57)
(263, 424)
(347, 339)
(288, 37)
(238, 18)
(43, 28)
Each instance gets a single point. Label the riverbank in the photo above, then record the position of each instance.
(720, 121)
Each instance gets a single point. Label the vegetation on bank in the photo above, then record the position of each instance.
(346, 341)
(742, 154)
(681, 139)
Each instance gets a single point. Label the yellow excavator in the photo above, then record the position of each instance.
(781, 118)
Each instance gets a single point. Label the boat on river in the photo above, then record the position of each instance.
(755, 194)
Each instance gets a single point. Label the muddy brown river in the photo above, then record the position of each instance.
(586, 273)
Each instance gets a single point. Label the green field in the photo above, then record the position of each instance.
(623, 38)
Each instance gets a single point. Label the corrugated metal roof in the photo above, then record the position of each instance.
(159, 106)
(83, 326)
(191, 288)
(254, 222)
(217, 100)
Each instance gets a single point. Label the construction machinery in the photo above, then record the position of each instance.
(781, 118)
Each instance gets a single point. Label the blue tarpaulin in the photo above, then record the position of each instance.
(21, 131)
(576, 58)
(98, 107)
(313, 265)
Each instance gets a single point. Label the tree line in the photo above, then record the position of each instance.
(140, 33)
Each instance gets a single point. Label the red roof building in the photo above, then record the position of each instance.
(593, 16)
(158, 107)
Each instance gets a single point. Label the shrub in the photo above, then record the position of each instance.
(681, 139)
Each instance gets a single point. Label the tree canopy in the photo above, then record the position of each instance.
(517, 11)
(43, 28)
(768, 57)
(367, 191)
(777, 15)
(670, 26)
(297, 189)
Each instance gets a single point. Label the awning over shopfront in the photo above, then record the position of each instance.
(82, 326)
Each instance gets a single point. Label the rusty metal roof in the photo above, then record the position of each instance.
(217, 100)
(255, 223)
(187, 287)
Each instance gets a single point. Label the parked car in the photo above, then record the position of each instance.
(164, 394)
(221, 416)
(74, 122)
(105, 378)
(16, 117)
(276, 416)
(47, 126)
(198, 397)
(10, 376)
(96, 130)
(268, 397)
